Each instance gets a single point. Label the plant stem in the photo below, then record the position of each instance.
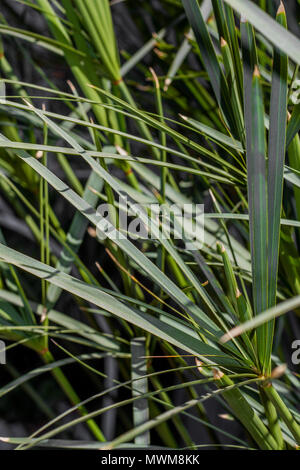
(272, 417)
(283, 411)
(245, 413)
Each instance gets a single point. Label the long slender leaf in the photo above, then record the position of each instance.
(272, 30)
(257, 196)
(210, 60)
(107, 302)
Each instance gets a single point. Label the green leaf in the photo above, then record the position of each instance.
(103, 300)
(264, 317)
(75, 236)
(210, 61)
(140, 387)
(266, 25)
(257, 200)
(276, 156)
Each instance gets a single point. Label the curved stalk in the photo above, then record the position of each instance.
(283, 412)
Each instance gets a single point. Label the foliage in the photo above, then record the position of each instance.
(213, 121)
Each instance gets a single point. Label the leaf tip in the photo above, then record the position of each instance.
(27, 102)
(281, 8)
(223, 42)
(92, 232)
(100, 269)
(221, 247)
(167, 83)
(218, 374)
(155, 79)
(212, 196)
(256, 72)
(278, 371)
(199, 364)
(226, 416)
(71, 86)
(121, 151)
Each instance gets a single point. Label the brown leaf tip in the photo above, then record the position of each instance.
(212, 196)
(226, 416)
(223, 42)
(218, 374)
(44, 315)
(281, 9)
(155, 79)
(238, 293)
(168, 82)
(256, 71)
(99, 267)
(199, 364)
(71, 86)
(92, 232)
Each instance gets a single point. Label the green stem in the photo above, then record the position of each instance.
(283, 412)
(272, 417)
(245, 413)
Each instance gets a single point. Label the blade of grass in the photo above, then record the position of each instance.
(75, 236)
(109, 303)
(185, 48)
(274, 312)
(266, 25)
(284, 412)
(276, 155)
(210, 60)
(258, 431)
(257, 197)
(140, 407)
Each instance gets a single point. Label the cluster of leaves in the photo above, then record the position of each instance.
(222, 131)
